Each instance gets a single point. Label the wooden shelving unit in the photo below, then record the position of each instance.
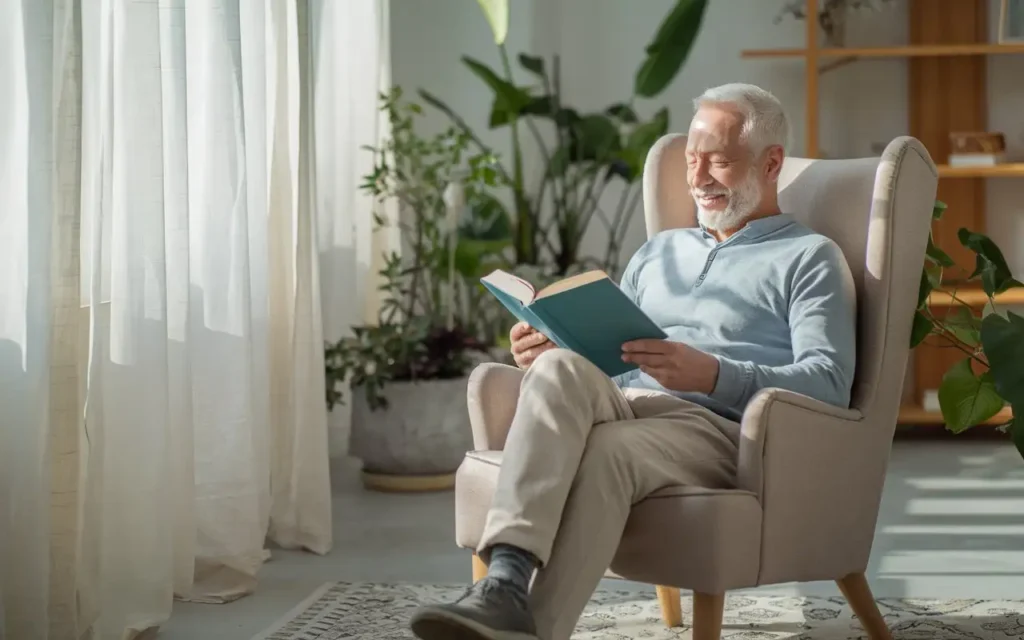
(1007, 170)
(909, 51)
(947, 53)
(974, 297)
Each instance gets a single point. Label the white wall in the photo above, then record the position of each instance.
(601, 43)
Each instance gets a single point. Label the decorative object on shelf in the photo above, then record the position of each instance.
(552, 210)
(408, 373)
(1011, 21)
(977, 149)
(831, 16)
(990, 376)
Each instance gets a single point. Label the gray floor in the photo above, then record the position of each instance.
(951, 526)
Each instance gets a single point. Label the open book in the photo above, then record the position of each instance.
(586, 313)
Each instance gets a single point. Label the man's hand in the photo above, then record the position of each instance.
(676, 366)
(527, 344)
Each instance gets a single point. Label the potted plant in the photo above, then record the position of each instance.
(583, 153)
(408, 372)
(991, 374)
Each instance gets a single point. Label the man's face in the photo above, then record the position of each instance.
(721, 170)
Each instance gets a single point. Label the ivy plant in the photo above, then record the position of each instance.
(990, 376)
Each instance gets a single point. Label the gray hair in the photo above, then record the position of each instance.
(764, 120)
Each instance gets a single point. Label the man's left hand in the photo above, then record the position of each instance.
(676, 366)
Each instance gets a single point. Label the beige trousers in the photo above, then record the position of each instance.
(579, 453)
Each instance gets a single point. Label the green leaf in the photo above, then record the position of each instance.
(934, 274)
(533, 64)
(559, 162)
(937, 255)
(921, 329)
(989, 262)
(1003, 341)
(628, 166)
(475, 258)
(938, 209)
(924, 290)
(496, 12)
(643, 137)
(623, 112)
(670, 47)
(630, 162)
(507, 96)
(963, 324)
(967, 398)
(597, 137)
(489, 220)
(537, 106)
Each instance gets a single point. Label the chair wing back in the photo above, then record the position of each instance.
(877, 209)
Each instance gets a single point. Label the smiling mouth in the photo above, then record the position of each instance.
(707, 200)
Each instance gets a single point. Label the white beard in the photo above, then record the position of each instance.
(742, 202)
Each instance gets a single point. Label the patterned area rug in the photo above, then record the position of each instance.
(381, 612)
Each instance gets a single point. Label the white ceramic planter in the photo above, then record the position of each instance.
(418, 441)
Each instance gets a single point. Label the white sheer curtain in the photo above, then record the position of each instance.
(162, 180)
(351, 61)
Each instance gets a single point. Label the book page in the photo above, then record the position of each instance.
(513, 285)
(571, 283)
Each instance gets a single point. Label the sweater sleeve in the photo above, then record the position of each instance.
(823, 333)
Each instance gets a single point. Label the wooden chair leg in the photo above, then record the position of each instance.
(671, 606)
(857, 592)
(479, 568)
(707, 615)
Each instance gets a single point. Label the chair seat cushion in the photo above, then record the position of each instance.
(708, 540)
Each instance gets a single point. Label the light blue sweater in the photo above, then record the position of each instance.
(775, 304)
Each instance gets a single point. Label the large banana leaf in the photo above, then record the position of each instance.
(670, 47)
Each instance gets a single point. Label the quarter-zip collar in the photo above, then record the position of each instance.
(753, 230)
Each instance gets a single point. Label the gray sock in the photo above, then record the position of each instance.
(513, 566)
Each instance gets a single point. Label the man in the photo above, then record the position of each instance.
(751, 299)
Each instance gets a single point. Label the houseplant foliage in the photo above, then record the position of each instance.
(434, 316)
(583, 153)
(991, 373)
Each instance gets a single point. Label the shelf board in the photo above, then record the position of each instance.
(1005, 170)
(974, 297)
(911, 414)
(907, 51)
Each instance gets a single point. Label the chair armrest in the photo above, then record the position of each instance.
(818, 472)
(781, 426)
(492, 396)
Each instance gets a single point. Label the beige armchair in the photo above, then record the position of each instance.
(810, 475)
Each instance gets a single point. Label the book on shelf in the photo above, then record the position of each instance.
(587, 313)
(976, 159)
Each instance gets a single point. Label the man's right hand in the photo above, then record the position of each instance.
(527, 344)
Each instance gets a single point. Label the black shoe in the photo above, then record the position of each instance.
(489, 610)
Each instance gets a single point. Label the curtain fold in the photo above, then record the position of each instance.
(347, 119)
(167, 200)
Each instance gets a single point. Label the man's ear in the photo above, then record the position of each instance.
(773, 164)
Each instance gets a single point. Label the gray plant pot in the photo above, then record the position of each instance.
(418, 441)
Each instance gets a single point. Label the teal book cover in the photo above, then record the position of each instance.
(587, 313)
